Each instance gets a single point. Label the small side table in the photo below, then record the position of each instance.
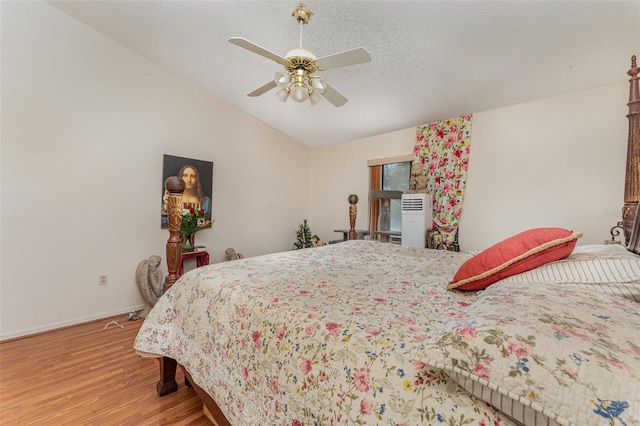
(360, 233)
(384, 235)
(202, 258)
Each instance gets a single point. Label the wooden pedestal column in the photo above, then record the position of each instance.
(175, 186)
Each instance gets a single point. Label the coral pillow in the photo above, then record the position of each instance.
(517, 254)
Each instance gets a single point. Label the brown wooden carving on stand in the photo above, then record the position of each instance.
(175, 186)
(632, 177)
(353, 211)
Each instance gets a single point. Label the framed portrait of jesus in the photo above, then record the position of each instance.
(198, 179)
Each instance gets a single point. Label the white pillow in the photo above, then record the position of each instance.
(609, 269)
(603, 248)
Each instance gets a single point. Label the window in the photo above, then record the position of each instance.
(388, 174)
(395, 176)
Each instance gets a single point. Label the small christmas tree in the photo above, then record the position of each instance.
(304, 236)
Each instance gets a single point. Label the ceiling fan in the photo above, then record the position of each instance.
(300, 65)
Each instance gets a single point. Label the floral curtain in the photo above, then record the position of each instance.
(441, 154)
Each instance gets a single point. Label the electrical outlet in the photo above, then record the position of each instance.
(103, 279)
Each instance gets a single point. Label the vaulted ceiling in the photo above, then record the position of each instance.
(430, 59)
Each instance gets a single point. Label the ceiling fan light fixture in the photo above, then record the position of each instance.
(283, 94)
(282, 79)
(299, 92)
(318, 84)
(314, 97)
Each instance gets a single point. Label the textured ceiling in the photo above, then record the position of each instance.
(430, 59)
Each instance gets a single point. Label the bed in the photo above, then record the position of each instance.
(365, 332)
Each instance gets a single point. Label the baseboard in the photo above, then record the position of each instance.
(69, 323)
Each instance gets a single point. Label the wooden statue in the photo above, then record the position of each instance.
(353, 211)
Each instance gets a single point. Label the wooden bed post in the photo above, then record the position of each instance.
(175, 185)
(353, 211)
(632, 177)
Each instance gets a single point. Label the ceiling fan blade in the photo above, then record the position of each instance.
(243, 42)
(350, 57)
(264, 89)
(333, 96)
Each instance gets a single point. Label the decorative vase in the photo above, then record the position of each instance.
(187, 244)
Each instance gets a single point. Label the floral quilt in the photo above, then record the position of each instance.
(319, 336)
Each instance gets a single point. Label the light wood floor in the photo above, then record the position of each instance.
(84, 375)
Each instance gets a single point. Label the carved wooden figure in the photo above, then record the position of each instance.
(353, 211)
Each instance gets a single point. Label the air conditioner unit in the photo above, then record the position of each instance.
(417, 217)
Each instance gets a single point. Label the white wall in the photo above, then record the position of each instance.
(554, 162)
(557, 161)
(85, 123)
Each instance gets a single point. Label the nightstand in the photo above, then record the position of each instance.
(202, 258)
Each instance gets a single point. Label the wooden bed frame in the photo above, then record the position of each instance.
(630, 224)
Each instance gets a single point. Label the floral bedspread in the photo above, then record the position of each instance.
(319, 336)
(546, 354)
